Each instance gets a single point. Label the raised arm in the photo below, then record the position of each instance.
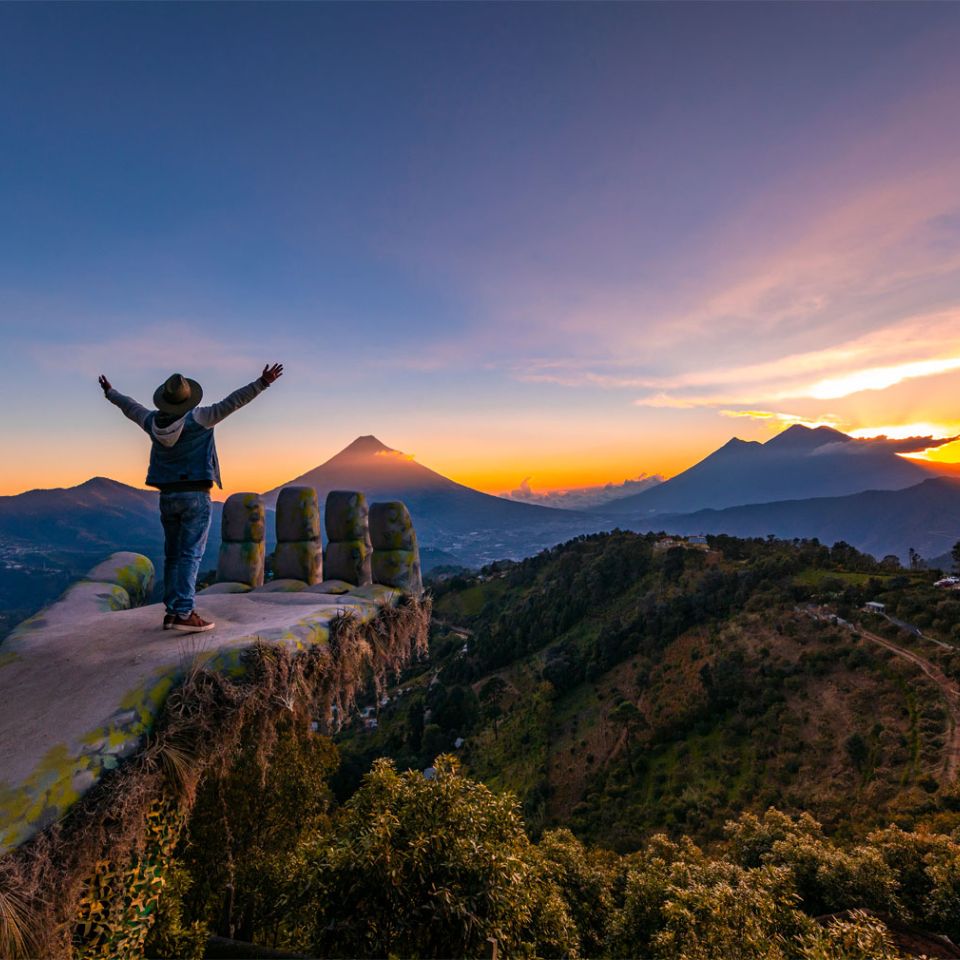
(212, 415)
(128, 406)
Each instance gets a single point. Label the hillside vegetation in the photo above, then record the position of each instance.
(619, 689)
(440, 867)
(660, 751)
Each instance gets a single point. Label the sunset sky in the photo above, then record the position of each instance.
(571, 243)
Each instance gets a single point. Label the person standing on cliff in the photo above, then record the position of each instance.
(184, 467)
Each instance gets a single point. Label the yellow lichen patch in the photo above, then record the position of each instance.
(230, 662)
(14, 803)
(27, 627)
(147, 699)
(314, 630)
(90, 595)
(42, 798)
(136, 578)
(331, 587)
(132, 571)
(63, 775)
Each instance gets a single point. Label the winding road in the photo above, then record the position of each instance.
(948, 690)
(947, 687)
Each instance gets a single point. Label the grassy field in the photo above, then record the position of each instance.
(815, 578)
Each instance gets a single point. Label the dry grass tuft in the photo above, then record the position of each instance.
(16, 930)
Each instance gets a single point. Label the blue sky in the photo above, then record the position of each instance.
(567, 242)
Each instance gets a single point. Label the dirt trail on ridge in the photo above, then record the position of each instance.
(949, 691)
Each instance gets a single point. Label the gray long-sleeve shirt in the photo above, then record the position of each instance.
(208, 417)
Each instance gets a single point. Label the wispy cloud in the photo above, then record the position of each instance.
(905, 431)
(879, 378)
(581, 498)
(777, 419)
(921, 346)
(820, 287)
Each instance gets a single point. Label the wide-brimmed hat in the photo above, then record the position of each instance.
(177, 394)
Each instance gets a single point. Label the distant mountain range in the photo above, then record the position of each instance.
(68, 528)
(96, 514)
(802, 483)
(925, 516)
(50, 537)
(799, 463)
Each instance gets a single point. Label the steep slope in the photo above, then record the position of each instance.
(94, 514)
(621, 690)
(799, 463)
(448, 515)
(99, 514)
(925, 516)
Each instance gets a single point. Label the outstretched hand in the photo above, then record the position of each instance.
(105, 384)
(272, 373)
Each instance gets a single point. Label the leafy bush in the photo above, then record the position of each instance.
(433, 868)
(859, 937)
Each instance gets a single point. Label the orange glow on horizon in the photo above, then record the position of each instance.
(949, 453)
(494, 464)
(546, 475)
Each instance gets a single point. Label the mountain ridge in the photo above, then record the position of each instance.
(801, 436)
(455, 521)
(798, 463)
(878, 522)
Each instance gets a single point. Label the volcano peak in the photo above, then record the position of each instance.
(366, 446)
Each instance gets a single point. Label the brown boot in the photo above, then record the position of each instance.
(193, 623)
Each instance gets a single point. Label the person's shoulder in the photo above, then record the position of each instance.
(198, 416)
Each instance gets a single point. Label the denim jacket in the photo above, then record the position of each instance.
(183, 450)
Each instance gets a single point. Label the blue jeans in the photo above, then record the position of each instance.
(186, 522)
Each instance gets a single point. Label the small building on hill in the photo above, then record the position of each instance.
(696, 542)
(666, 543)
(872, 606)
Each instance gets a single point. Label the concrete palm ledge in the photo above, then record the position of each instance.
(84, 681)
(85, 684)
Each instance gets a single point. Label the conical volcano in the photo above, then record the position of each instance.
(378, 470)
(365, 446)
(447, 514)
(799, 463)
